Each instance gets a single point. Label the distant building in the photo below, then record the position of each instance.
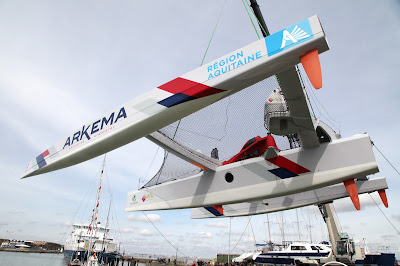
(223, 258)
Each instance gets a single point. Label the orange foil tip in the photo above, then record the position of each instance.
(353, 193)
(382, 194)
(312, 66)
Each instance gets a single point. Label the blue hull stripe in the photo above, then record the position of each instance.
(286, 257)
(213, 211)
(40, 161)
(275, 260)
(176, 99)
(283, 173)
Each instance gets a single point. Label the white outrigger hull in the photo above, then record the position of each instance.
(292, 171)
(312, 197)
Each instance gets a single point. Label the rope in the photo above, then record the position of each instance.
(113, 211)
(385, 158)
(254, 237)
(304, 88)
(254, 26)
(162, 234)
(212, 35)
(151, 164)
(384, 215)
(205, 53)
(335, 123)
(259, 23)
(241, 235)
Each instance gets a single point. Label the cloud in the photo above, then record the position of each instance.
(145, 232)
(346, 227)
(389, 237)
(219, 225)
(396, 217)
(66, 223)
(204, 235)
(248, 240)
(345, 205)
(202, 245)
(128, 230)
(17, 212)
(135, 241)
(142, 218)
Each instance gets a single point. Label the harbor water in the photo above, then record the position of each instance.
(31, 259)
(36, 259)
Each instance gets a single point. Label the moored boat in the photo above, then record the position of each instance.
(294, 253)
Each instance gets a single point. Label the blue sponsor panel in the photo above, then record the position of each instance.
(289, 37)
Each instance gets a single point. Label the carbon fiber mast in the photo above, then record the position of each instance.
(257, 12)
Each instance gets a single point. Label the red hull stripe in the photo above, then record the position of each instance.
(293, 167)
(45, 153)
(190, 88)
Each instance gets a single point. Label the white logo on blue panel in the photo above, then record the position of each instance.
(296, 35)
(288, 37)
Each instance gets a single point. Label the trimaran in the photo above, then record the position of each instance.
(260, 171)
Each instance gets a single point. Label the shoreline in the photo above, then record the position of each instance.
(30, 251)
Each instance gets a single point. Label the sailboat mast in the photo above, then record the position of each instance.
(298, 224)
(257, 12)
(269, 231)
(108, 222)
(93, 222)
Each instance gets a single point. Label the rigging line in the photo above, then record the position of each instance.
(241, 235)
(335, 212)
(166, 153)
(262, 29)
(112, 203)
(76, 212)
(199, 134)
(331, 122)
(307, 88)
(254, 237)
(202, 61)
(254, 26)
(161, 233)
(312, 91)
(212, 35)
(227, 119)
(304, 87)
(384, 214)
(385, 158)
(90, 191)
(259, 23)
(151, 164)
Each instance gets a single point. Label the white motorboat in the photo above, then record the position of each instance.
(294, 253)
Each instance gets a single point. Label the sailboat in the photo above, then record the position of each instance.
(90, 243)
(259, 169)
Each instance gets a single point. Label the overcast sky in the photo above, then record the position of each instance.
(65, 63)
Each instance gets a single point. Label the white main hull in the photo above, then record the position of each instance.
(258, 178)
